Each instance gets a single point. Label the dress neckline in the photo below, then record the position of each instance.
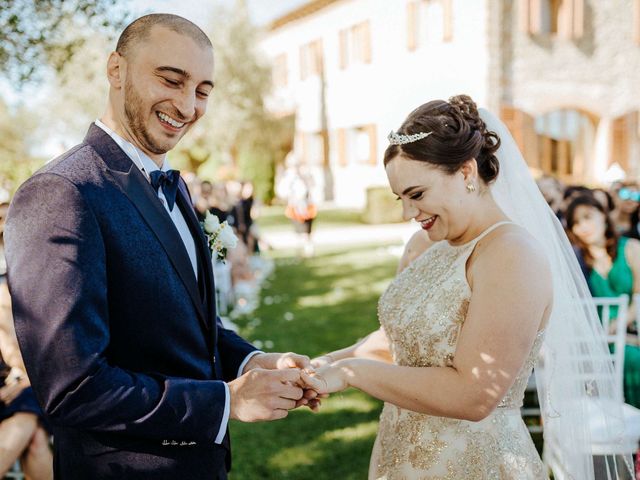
(483, 234)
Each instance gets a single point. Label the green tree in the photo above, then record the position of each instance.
(16, 162)
(40, 34)
(79, 90)
(238, 131)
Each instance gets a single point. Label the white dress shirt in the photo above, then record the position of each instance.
(146, 166)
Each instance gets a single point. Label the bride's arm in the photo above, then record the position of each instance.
(375, 346)
(511, 294)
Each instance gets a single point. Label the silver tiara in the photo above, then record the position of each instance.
(399, 139)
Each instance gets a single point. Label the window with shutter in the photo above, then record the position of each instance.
(341, 136)
(636, 21)
(311, 61)
(355, 44)
(366, 42)
(447, 20)
(412, 25)
(620, 142)
(280, 71)
(373, 144)
(344, 49)
(429, 20)
(564, 18)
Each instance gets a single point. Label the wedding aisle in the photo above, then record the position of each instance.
(311, 306)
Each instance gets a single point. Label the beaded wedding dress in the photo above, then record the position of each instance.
(422, 312)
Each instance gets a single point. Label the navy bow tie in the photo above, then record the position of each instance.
(169, 182)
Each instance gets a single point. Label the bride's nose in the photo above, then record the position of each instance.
(409, 211)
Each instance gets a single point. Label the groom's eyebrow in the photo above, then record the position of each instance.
(181, 72)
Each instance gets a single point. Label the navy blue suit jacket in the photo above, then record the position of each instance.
(122, 344)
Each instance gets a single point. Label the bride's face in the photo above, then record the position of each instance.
(433, 198)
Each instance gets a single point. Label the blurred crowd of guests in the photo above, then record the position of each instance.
(602, 225)
(231, 201)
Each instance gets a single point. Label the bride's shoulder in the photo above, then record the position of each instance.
(511, 248)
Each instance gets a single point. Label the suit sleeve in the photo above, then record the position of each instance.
(233, 351)
(57, 279)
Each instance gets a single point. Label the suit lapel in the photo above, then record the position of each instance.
(204, 258)
(204, 255)
(139, 191)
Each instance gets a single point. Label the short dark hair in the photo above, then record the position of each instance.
(140, 29)
(458, 134)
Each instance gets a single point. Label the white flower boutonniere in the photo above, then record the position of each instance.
(219, 235)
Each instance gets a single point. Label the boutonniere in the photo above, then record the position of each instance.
(220, 236)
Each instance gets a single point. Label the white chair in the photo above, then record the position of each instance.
(635, 339)
(531, 414)
(601, 442)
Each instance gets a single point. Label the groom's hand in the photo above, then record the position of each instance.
(278, 361)
(261, 394)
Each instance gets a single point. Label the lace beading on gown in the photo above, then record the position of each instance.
(422, 312)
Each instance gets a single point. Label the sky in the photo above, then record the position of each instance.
(198, 11)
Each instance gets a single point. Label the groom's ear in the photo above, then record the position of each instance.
(115, 70)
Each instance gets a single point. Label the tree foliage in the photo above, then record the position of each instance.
(16, 161)
(79, 91)
(35, 34)
(238, 131)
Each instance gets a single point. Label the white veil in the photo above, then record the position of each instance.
(575, 375)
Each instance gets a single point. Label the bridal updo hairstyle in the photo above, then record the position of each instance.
(459, 134)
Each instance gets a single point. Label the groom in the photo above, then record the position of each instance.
(113, 291)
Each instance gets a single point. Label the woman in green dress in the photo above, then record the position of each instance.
(612, 268)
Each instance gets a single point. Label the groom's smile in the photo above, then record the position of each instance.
(169, 122)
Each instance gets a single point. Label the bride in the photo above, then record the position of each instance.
(464, 324)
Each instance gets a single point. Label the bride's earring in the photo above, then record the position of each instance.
(471, 187)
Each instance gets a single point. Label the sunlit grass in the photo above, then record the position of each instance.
(273, 218)
(312, 306)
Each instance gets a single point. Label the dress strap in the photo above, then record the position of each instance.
(491, 229)
(485, 233)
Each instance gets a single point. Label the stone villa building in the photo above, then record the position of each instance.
(563, 74)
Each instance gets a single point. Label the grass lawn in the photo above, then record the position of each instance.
(312, 306)
(273, 218)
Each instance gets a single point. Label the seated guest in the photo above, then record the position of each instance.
(553, 192)
(626, 196)
(613, 266)
(23, 435)
(634, 230)
(605, 198)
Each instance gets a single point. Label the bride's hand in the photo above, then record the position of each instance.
(327, 379)
(322, 360)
